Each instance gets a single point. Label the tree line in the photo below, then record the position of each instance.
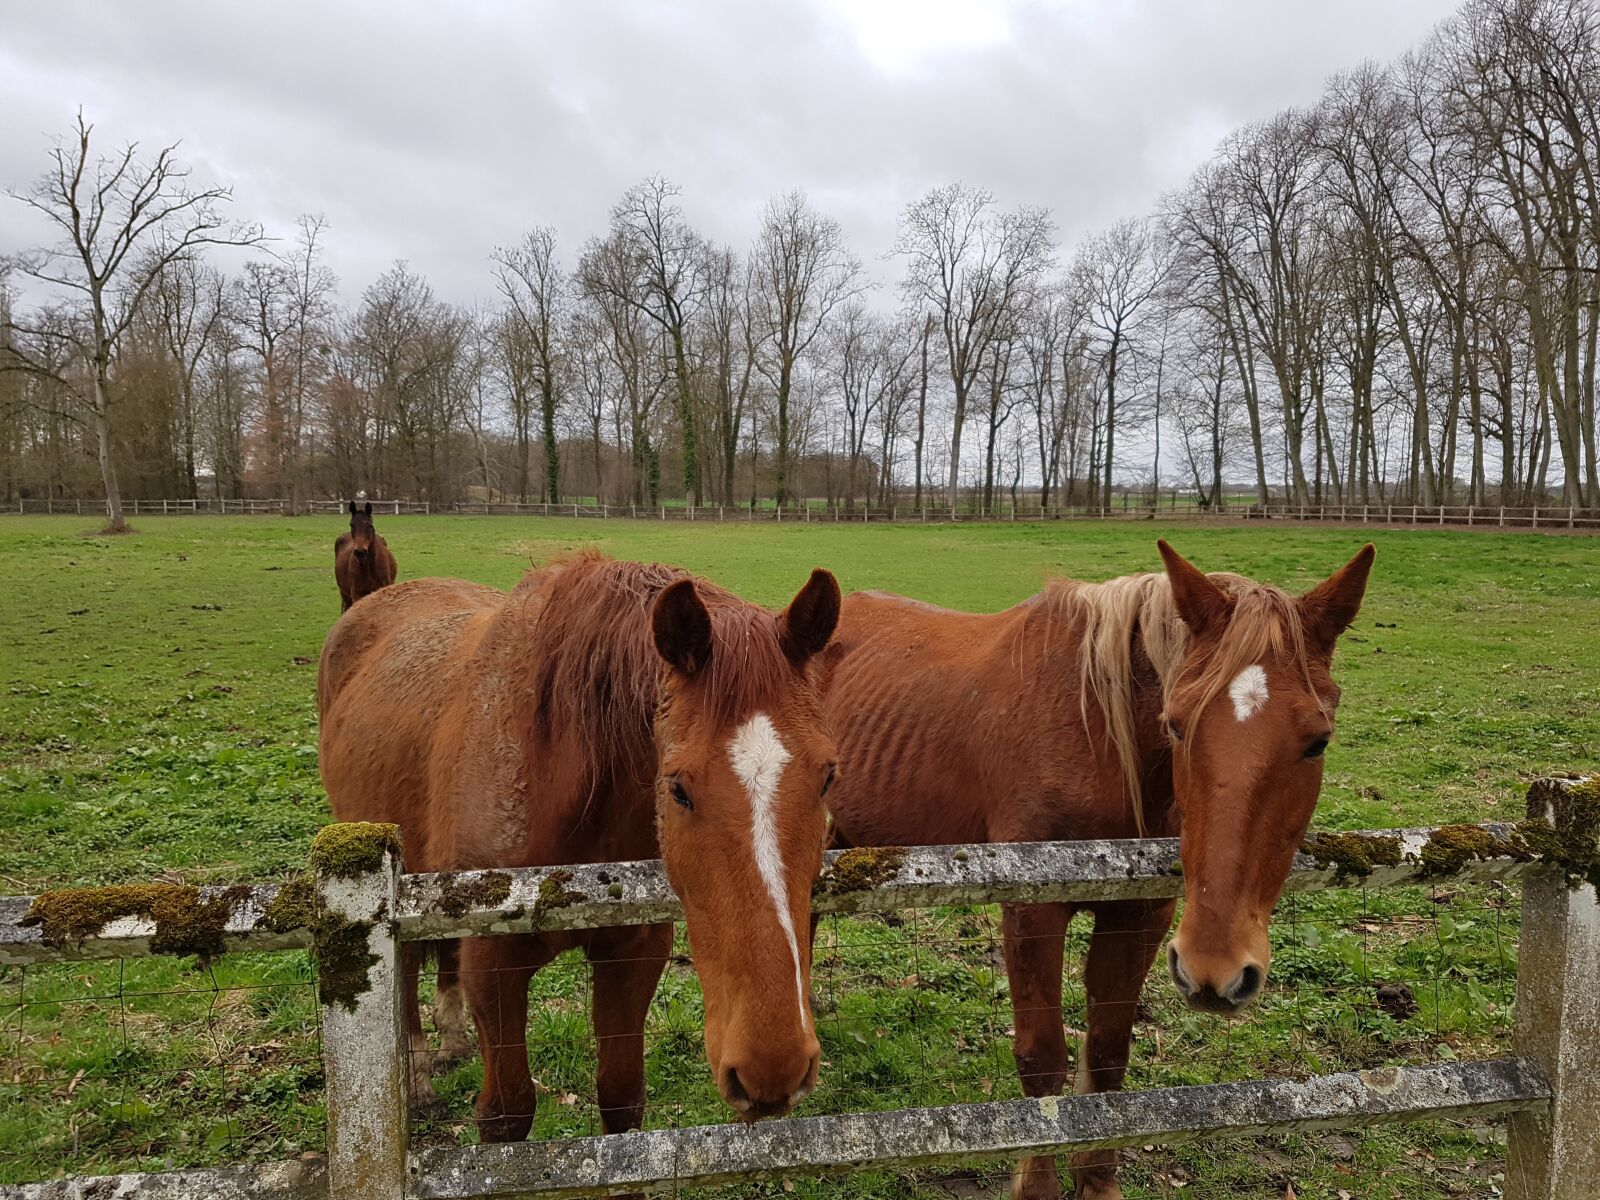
(1391, 296)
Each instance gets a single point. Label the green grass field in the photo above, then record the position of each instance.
(157, 720)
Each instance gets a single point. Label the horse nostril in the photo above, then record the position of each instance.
(1245, 985)
(734, 1090)
(1175, 969)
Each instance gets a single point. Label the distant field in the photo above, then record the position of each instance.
(156, 716)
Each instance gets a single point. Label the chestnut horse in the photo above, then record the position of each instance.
(1178, 704)
(601, 711)
(361, 560)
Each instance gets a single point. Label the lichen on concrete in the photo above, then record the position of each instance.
(861, 869)
(351, 849)
(553, 893)
(1353, 856)
(485, 889)
(186, 920)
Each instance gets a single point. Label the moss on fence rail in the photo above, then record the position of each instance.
(1353, 856)
(187, 920)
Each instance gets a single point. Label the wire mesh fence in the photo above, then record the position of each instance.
(157, 1064)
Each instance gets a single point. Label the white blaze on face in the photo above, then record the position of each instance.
(759, 756)
(1248, 691)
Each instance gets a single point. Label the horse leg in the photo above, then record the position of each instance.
(495, 972)
(627, 965)
(1035, 937)
(419, 1057)
(450, 1007)
(1126, 936)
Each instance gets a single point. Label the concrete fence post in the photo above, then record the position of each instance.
(1554, 1153)
(356, 872)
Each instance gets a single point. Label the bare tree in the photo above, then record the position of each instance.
(192, 314)
(310, 293)
(1120, 271)
(122, 222)
(971, 268)
(656, 265)
(801, 272)
(617, 294)
(536, 296)
(871, 363)
(265, 306)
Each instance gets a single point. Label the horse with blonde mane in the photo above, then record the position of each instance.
(1183, 704)
(601, 711)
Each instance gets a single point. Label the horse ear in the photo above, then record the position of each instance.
(806, 625)
(1328, 609)
(352, 508)
(369, 508)
(682, 627)
(1201, 603)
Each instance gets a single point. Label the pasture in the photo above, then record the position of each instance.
(156, 719)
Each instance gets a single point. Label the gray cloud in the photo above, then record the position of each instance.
(433, 132)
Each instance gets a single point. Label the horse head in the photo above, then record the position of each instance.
(745, 762)
(362, 532)
(1249, 713)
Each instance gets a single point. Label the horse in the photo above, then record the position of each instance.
(362, 562)
(601, 711)
(1178, 704)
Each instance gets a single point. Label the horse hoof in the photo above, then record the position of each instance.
(424, 1100)
(449, 1056)
(427, 1106)
(504, 1129)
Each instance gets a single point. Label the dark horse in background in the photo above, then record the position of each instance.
(362, 562)
(1183, 704)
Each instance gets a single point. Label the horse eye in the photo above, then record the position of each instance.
(827, 780)
(681, 795)
(1173, 731)
(1316, 748)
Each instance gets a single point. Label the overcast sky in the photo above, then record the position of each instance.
(434, 131)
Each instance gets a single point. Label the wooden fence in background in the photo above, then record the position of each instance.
(1550, 519)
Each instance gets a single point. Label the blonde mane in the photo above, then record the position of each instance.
(1265, 622)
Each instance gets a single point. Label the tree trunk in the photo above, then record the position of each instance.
(922, 410)
(552, 449)
(691, 453)
(955, 444)
(115, 523)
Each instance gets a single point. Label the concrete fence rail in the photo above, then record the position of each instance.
(1548, 1084)
(1543, 517)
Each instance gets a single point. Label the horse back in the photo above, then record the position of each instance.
(958, 726)
(393, 679)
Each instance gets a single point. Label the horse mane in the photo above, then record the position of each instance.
(1265, 622)
(590, 659)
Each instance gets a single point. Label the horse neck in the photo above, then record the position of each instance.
(1061, 654)
(1155, 748)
